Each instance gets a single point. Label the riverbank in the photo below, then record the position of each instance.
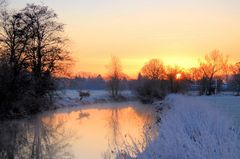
(197, 127)
(70, 98)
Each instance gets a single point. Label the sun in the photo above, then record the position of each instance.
(178, 76)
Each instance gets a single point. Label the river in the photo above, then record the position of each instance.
(86, 132)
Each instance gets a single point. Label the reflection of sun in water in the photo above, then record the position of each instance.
(178, 76)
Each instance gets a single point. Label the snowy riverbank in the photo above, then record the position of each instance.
(70, 98)
(196, 128)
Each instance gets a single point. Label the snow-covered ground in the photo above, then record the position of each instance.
(229, 105)
(197, 128)
(66, 98)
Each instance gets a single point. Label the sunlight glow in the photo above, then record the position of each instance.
(178, 76)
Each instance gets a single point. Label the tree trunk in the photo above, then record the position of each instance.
(209, 91)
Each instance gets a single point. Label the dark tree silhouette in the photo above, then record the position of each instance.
(236, 77)
(31, 51)
(178, 80)
(46, 47)
(151, 82)
(14, 38)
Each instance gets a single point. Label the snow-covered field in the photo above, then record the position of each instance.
(198, 128)
(68, 97)
(229, 105)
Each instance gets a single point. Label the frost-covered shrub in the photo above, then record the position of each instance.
(193, 129)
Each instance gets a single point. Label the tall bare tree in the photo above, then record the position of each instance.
(213, 65)
(47, 42)
(14, 38)
(32, 49)
(115, 75)
(46, 47)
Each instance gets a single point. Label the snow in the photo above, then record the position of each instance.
(70, 98)
(196, 128)
(230, 105)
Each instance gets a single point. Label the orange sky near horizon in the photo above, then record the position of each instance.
(179, 32)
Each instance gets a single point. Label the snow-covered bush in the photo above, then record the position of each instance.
(192, 129)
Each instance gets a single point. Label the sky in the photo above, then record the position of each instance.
(179, 32)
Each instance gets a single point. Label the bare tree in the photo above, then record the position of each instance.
(151, 83)
(199, 80)
(196, 73)
(47, 42)
(172, 78)
(32, 49)
(214, 64)
(153, 70)
(115, 76)
(14, 38)
(236, 77)
(46, 48)
(178, 79)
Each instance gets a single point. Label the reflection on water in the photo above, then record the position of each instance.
(33, 138)
(88, 132)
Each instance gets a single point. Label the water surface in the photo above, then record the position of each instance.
(88, 132)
